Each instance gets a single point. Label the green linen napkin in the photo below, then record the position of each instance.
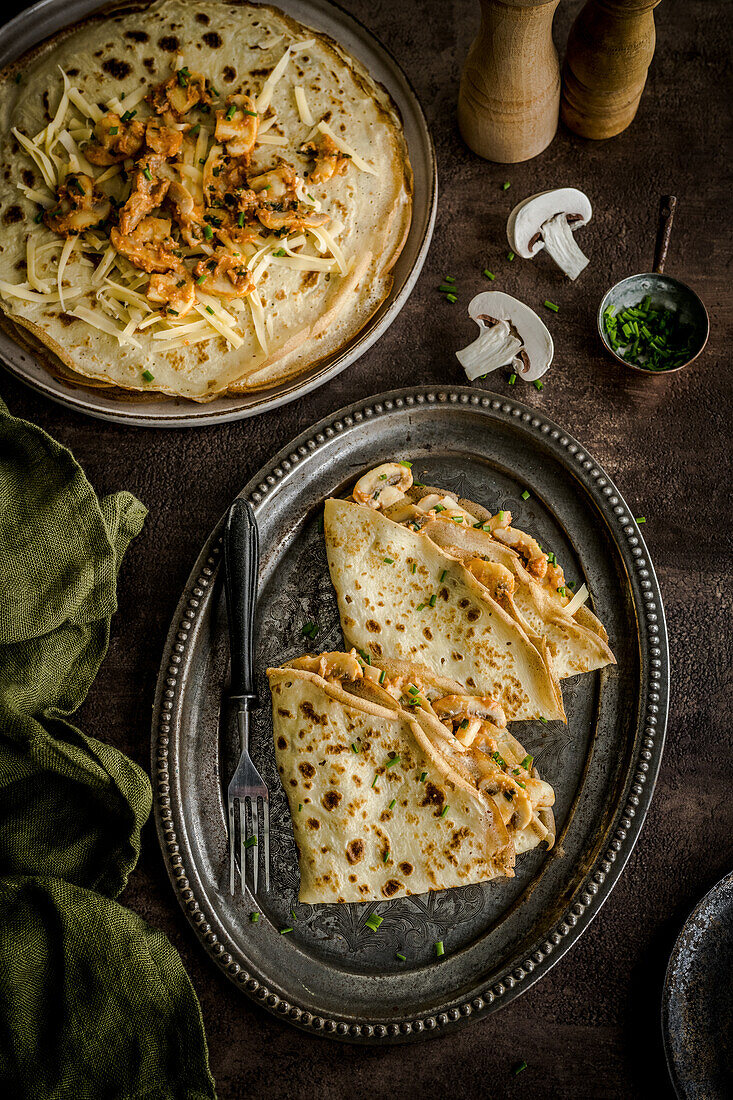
(94, 1003)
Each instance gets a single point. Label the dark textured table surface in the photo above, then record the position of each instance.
(591, 1027)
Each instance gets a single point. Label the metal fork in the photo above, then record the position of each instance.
(247, 793)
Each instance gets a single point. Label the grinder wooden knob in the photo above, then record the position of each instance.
(610, 48)
(509, 97)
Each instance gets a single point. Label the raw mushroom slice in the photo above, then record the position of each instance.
(511, 334)
(548, 220)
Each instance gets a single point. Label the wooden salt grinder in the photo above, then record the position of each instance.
(510, 88)
(610, 48)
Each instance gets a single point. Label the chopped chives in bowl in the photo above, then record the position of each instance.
(649, 335)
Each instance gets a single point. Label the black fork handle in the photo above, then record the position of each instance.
(241, 567)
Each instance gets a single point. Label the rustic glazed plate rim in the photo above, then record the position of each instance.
(639, 777)
(22, 363)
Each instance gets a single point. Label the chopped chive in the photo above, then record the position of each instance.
(373, 921)
(420, 606)
(439, 949)
(563, 590)
(300, 806)
(537, 384)
(432, 600)
(284, 931)
(404, 462)
(499, 759)
(444, 288)
(413, 690)
(489, 274)
(448, 279)
(128, 115)
(230, 113)
(519, 1067)
(195, 130)
(240, 220)
(208, 232)
(525, 494)
(280, 252)
(113, 131)
(445, 810)
(451, 298)
(500, 515)
(543, 720)
(413, 568)
(293, 916)
(147, 173)
(392, 803)
(392, 761)
(39, 217)
(354, 747)
(388, 561)
(254, 917)
(505, 185)
(512, 379)
(250, 843)
(510, 256)
(148, 376)
(551, 305)
(254, 115)
(641, 519)
(444, 574)
(385, 857)
(464, 724)
(376, 777)
(382, 676)
(210, 310)
(527, 762)
(402, 958)
(423, 777)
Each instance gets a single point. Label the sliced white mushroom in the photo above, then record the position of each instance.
(511, 335)
(383, 486)
(548, 220)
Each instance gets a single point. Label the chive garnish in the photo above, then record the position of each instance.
(439, 949)
(506, 185)
(210, 310)
(402, 958)
(113, 131)
(403, 462)
(449, 279)
(280, 252)
(551, 305)
(413, 568)
(423, 777)
(451, 298)
(500, 515)
(284, 931)
(354, 746)
(641, 519)
(388, 561)
(208, 232)
(392, 803)
(373, 921)
(376, 777)
(525, 494)
(230, 113)
(413, 690)
(499, 759)
(527, 762)
(519, 1067)
(128, 115)
(489, 274)
(300, 806)
(432, 600)
(250, 843)
(537, 384)
(254, 917)
(382, 676)
(543, 720)
(444, 574)
(148, 376)
(510, 256)
(512, 379)
(420, 606)
(464, 724)
(445, 810)
(365, 656)
(392, 761)
(385, 857)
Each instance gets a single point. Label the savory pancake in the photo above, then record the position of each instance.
(199, 197)
(399, 782)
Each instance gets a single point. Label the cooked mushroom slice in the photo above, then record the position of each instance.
(80, 206)
(294, 218)
(548, 220)
(224, 275)
(148, 191)
(279, 182)
(329, 160)
(384, 485)
(187, 213)
(510, 334)
(533, 554)
(332, 666)
(492, 575)
(150, 247)
(175, 290)
(456, 708)
(162, 139)
(224, 176)
(114, 140)
(176, 96)
(237, 125)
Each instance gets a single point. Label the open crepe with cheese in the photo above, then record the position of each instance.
(199, 197)
(398, 780)
(422, 576)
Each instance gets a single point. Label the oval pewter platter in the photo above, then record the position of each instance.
(332, 975)
(45, 19)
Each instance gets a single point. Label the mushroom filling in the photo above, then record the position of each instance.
(561, 245)
(496, 346)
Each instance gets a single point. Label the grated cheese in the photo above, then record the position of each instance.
(89, 110)
(271, 139)
(578, 600)
(326, 240)
(42, 162)
(109, 174)
(267, 124)
(306, 116)
(37, 196)
(33, 277)
(63, 260)
(176, 331)
(215, 320)
(346, 149)
(57, 121)
(131, 100)
(258, 315)
(104, 325)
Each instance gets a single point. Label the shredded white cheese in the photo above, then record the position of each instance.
(63, 260)
(42, 162)
(306, 116)
(578, 600)
(104, 325)
(89, 110)
(271, 139)
(258, 316)
(346, 149)
(119, 106)
(326, 240)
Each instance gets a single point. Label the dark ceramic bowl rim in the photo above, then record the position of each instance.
(635, 366)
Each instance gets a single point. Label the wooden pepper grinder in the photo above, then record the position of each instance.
(510, 88)
(610, 48)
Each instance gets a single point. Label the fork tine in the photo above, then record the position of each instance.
(266, 839)
(242, 839)
(255, 854)
(232, 844)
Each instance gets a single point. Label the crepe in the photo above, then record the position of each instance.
(385, 799)
(438, 614)
(148, 267)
